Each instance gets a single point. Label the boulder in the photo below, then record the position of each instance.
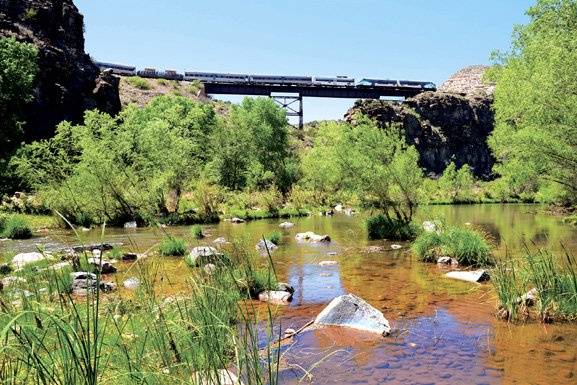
(447, 261)
(396, 247)
(202, 255)
(92, 247)
(353, 312)
(264, 244)
(23, 259)
(237, 220)
(475, 276)
(328, 263)
(275, 297)
(129, 257)
(288, 333)
(286, 225)
(309, 236)
(130, 225)
(339, 208)
(84, 283)
(281, 286)
(102, 266)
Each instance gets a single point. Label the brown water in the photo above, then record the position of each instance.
(445, 331)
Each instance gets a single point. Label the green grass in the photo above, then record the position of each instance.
(553, 276)
(138, 82)
(275, 237)
(196, 232)
(381, 227)
(467, 246)
(15, 227)
(174, 247)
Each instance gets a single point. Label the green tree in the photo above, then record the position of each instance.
(536, 103)
(376, 164)
(18, 69)
(251, 149)
(456, 185)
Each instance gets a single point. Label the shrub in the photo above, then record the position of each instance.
(467, 246)
(383, 227)
(15, 227)
(173, 247)
(196, 232)
(275, 237)
(138, 82)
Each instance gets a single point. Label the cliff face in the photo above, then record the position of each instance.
(443, 126)
(68, 83)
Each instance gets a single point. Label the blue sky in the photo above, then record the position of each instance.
(400, 39)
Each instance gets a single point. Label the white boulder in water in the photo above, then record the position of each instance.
(265, 245)
(286, 225)
(475, 276)
(275, 297)
(353, 312)
(23, 259)
(202, 255)
(309, 236)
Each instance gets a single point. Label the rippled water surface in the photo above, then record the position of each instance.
(445, 331)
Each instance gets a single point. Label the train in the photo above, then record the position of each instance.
(213, 77)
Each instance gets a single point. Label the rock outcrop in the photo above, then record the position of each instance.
(68, 83)
(445, 127)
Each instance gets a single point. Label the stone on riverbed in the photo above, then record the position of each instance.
(237, 220)
(286, 225)
(275, 297)
(95, 246)
(202, 255)
(85, 282)
(353, 312)
(23, 259)
(476, 276)
(281, 286)
(447, 261)
(101, 265)
(264, 244)
(309, 236)
(328, 263)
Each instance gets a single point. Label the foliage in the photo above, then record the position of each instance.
(251, 149)
(374, 163)
(172, 247)
(119, 169)
(15, 227)
(456, 185)
(275, 237)
(383, 227)
(467, 246)
(138, 82)
(536, 106)
(196, 232)
(18, 69)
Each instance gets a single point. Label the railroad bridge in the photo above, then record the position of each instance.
(287, 91)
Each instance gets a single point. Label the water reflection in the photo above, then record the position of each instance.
(315, 284)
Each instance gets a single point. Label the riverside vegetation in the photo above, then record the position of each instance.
(177, 161)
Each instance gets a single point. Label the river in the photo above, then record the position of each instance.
(445, 332)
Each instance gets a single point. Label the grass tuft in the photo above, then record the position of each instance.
(15, 227)
(196, 232)
(275, 237)
(172, 247)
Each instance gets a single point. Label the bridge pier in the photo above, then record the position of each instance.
(292, 104)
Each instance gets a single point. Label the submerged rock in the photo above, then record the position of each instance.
(23, 259)
(476, 276)
(353, 312)
(447, 261)
(289, 333)
(102, 266)
(286, 225)
(328, 263)
(84, 283)
(264, 244)
(309, 236)
(275, 297)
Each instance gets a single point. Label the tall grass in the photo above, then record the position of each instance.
(172, 247)
(382, 227)
(53, 337)
(553, 276)
(467, 246)
(15, 227)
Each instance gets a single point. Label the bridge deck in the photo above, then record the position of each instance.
(347, 92)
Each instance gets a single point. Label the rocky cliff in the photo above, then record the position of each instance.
(68, 83)
(443, 126)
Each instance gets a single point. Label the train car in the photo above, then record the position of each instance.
(378, 83)
(417, 84)
(338, 81)
(148, 73)
(208, 77)
(117, 69)
(288, 80)
(170, 75)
